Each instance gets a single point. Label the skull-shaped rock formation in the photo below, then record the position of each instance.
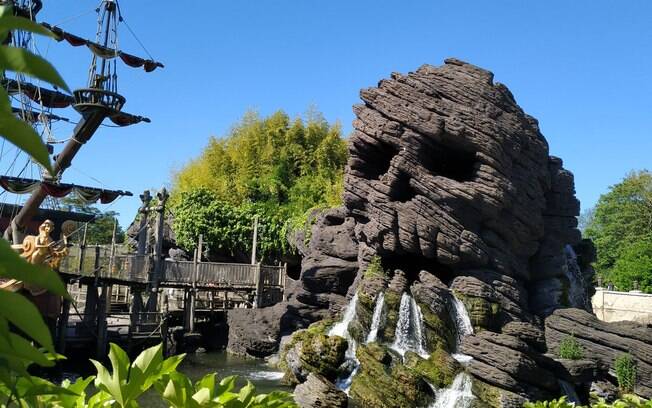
(451, 196)
(448, 174)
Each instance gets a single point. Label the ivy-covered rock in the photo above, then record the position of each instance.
(312, 351)
(384, 382)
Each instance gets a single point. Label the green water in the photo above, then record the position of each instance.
(195, 366)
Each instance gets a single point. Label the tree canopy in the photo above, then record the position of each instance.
(621, 228)
(272, 167)
(100, 230)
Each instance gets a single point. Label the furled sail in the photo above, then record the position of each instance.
(102, 51)
(49, 98)
(90, 195)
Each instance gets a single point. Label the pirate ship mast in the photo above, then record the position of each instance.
(96, 102)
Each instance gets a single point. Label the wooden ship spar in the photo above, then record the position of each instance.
(98, 101)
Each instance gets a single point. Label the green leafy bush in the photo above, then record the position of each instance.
(625, 367)
(620, 229)
(626, 401)
(270, 167)
(375, 268)
(570, 348)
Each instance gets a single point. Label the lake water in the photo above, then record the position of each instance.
(195, 366)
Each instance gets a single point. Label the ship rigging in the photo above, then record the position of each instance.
(98, 100)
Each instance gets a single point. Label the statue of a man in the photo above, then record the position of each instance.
(40, 249)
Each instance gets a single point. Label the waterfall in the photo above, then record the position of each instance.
(458, 395)
(375, 321)
(576, 291)
(569, 391)
(463, 328)
(409, 334)
(342, 329)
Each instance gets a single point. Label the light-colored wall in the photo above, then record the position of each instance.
(611, 306)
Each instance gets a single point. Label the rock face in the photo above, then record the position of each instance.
(605, 342)
(318, 392)
(455, 212)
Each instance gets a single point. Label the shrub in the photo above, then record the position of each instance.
(625, 366)
(570, 348)
(375, 268)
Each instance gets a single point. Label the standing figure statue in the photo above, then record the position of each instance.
(41, 249)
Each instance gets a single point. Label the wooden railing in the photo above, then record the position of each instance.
(97, 262)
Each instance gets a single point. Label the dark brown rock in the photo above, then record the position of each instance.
(318, 392)
(604, 342)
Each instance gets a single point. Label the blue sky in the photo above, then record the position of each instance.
(583, 68)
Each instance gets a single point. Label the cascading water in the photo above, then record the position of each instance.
(463, 328)
(342, 329)
(458, 395)
(569, 392)
(576, 291)
(409, 328)
(377, 317)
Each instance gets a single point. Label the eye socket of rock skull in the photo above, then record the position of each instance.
(412, 264)
(377, 158)
(448, 161)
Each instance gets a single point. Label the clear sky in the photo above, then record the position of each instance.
(583, 68)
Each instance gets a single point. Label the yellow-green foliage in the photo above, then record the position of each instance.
(570, 348)
(375, 268)
(273, 160)
(625, 367)
(276, 165)
(626, 401)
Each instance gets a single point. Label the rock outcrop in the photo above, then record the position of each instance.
(456, 213)
(605, 342)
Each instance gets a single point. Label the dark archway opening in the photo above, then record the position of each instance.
(447, 161)
(413, 264)
(401, 190)
(377, 158)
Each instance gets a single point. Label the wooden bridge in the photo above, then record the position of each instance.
(135, 296)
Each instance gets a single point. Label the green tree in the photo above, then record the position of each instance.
(274, 168)
(100, 229)
(621, 228)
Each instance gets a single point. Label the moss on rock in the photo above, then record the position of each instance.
(384, 382)
(439, 370)
(312, 351)
(483, 313)
(392, 306)
(440, 332)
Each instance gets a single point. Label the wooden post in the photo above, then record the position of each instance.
(284, 272)
(255, 243)
(143, 232)
(258, 276)
(63, 326)
(102, 324)
(193, 292)
(92, 296)
(159, 262)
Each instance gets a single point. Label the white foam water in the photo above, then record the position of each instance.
(342, 329)
(377, 317)
(458, 395)
(463, 328)
(266, 375)
(409, 334)
(569, 392)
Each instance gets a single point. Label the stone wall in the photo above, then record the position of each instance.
(612, 306)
